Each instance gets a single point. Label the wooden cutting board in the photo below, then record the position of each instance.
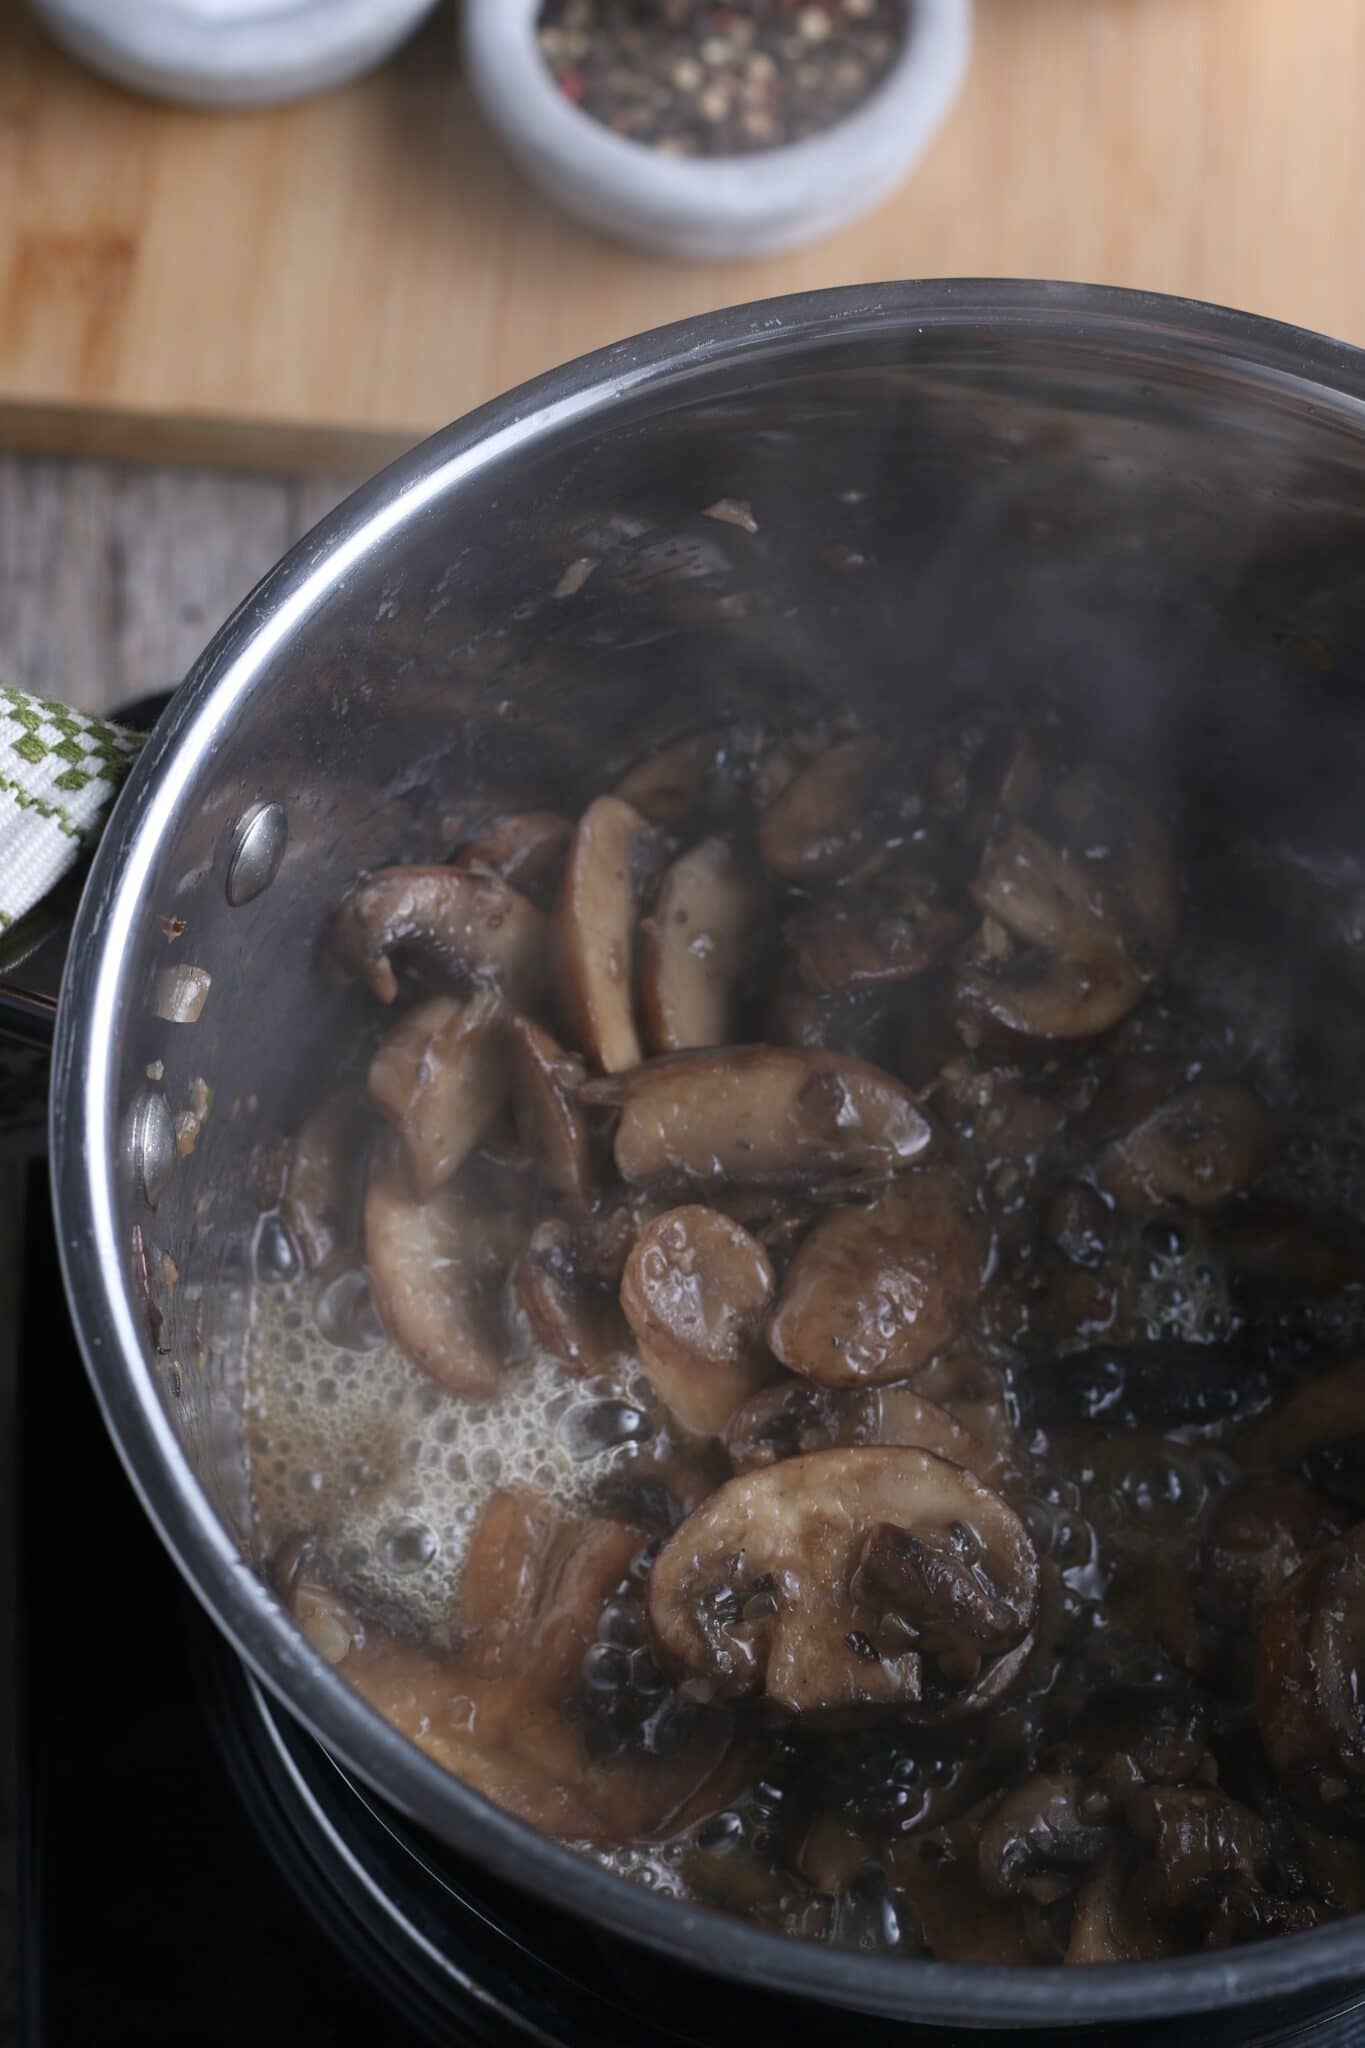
(323, 285)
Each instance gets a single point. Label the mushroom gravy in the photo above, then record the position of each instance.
(825, 1363)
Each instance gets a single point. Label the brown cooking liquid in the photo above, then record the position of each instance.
(1047, 1647)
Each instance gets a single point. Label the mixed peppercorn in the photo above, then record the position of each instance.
(692, 78)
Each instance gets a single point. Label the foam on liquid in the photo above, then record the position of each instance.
(384, 1470)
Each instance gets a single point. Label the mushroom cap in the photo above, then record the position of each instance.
(764, 1115)
(695, 1290)
(878, 1289)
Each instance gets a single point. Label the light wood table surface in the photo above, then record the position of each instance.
(323, 283)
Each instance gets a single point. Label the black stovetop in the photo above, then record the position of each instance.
(152, 1912)
(196, 1870)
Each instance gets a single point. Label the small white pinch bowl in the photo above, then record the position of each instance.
(231, 53)
(714, 207)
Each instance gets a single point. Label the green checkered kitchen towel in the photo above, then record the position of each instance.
(60, 771)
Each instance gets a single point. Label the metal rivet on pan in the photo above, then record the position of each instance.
(149, 1143)
(258, 841)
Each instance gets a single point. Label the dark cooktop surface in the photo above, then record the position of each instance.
(196, 1870)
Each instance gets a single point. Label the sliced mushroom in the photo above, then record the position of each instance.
(667, 787)
(695, 1291)
(937, 1885)
(695, 946)
(1199, 1842)
(845, 1581)
(441, 1077)
(969, 1381)
(317, 1181)
(501, 1578)
(1066, 949)
(1310, 1672)
(1038, 1844)
(464, 925)
(1326, 1410)
(841, 949)
(877, 1289)
(606, 1235)
(570, 1317)
(508, 1711)
(761, 1114)
(1111, 1923)
(1260, 1532)
(796, 1417)
(433, 1275)
(527, 848)
(818, 827)
(1209, 1142)
(551, 1123)
(595, 931)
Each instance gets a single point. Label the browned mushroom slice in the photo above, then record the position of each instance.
(464, 925)
(1209, 1142)
(797, 1416)
(316, 1191)
(1324, 1411)
(935, 1874)
(570, 1317)
(528, 849)
(1054, 958)
(1039, 1844)
(695, 1291)
(1261, 1530)
(817, 828)
(841, 949)
(1031, 996)
(500, 1582)
(441, 1078)
(1199, 1843)
(845, 1581)
(1310, 1672)
(667, 786)
(1111, 1923)
(551, 1123)
(432, 1272)
(877, 1289)
(595, 931)
(605, 1236)
(695, 943)
(793, 1418)
(762, 1114)
(969, 1382)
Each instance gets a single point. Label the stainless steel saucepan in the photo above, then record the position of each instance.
(1159, 506)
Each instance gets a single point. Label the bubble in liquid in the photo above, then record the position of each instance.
(605, 1668)
(596, 1426)
(274, 1257)
(407, 1546)
(346, 1315)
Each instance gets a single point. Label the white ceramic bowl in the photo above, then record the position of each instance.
(231, 53)
(717, 206)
